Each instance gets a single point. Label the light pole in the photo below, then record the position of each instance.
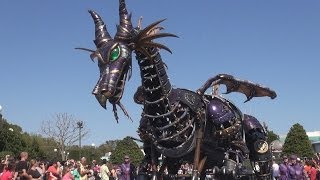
(80, 126)
(55, 150)
(93, 151)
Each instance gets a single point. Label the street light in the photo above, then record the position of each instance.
(80, 126)
(55, 153)
(93, 151)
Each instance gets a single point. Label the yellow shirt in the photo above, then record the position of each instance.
(104, 170)
(82, 170)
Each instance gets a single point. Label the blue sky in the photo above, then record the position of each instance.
(274, 43)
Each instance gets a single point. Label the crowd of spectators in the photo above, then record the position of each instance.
(295, 168)
(290, 168)
(25, 169)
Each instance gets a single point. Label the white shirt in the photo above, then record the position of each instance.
(275, 168)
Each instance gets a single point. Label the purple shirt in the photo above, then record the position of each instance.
(296, 172)
(125, 171)
(284, 172)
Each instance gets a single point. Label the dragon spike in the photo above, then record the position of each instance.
(146, 30)
(125, 27)
(101, 33)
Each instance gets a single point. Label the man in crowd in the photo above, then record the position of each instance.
(128, 170)
(295, 169)
(275, 170)
(283, 169)
(22, 167)
(54, 171)
(83, 169)
(104, 170)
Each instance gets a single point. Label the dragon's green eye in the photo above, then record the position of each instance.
(115, 53)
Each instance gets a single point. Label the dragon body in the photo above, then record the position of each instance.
(178, 124)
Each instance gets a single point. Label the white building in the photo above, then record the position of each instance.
(314, 137)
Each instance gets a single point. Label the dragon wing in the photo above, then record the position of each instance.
(236, 85)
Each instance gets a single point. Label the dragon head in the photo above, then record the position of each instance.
(114, 55)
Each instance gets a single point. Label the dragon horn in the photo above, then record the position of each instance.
(101, 33)
(125, 27)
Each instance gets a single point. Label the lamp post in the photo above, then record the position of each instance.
(93, 151)
(55, 150)
(80, 126)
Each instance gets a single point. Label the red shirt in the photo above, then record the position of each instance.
(53, 171)
(313, 173)
(6, 175)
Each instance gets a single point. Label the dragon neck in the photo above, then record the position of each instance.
(155, 83)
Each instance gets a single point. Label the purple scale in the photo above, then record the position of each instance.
(218, 112)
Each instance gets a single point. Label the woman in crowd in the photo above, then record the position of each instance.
(33, 172)
(66, 173)
(113, 171)
(76, 171)
(8, 172)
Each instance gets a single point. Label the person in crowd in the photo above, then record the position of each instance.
(307, 169)
(113, 171)
(33, 172)
(295, 169)
(95, 165)
(275, 170)
(313, 172)
(66, 172)
(41, 168)
(127, 169)
(104, 170)
(8, 172)
(54, 171)
(96, 170)
(76, 171)
(283, 169)
(22, 167)
(4, 163)
(90, 174)
(83, 169)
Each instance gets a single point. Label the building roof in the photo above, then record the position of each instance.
(313, 136)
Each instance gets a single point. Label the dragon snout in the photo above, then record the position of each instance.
(103, 89)
(102, 93)
(106, 93)
(104, 86)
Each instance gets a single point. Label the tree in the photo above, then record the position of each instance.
(10, 138)
(127, 147)
(13, 141)
(272, 136)
(63, 129)
(297, 142)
